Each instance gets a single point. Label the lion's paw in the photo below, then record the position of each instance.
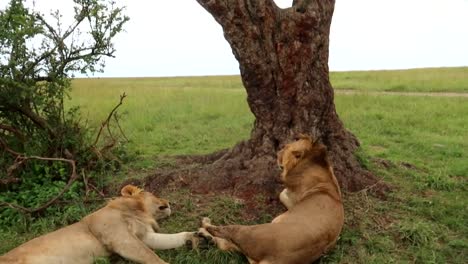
(205, 222)
(199, 240)
(202, 232)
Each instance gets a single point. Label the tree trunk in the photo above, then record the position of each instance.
(283, 57)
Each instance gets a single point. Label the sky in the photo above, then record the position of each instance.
(180, 38)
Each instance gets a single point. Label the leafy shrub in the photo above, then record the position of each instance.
(38, 56)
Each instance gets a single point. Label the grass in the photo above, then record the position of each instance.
(414, 80)
(419, 145)
(171, 117)
(425, 144)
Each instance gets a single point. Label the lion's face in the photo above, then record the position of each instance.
(291, 154)
(159, 208)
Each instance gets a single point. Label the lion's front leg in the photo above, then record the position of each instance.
(155, 226)
(134, 249)
(169, 241)
(287, 199)
(122, 240)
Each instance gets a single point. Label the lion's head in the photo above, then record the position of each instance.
(304, 148)
(159, 208)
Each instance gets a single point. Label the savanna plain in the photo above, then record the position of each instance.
(418, 144)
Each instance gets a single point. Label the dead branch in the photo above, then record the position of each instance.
(4, 145)
(120, 128)
(89, 186)
(16, 165)
(106, 122)
(104, 150)
(8, 181)
(85, 181)
(97, 191)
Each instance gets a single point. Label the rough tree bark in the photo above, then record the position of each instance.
(283, 57)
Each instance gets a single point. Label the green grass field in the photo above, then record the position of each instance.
(419, 145)
(413, 80)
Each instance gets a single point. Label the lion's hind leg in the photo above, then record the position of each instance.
(221, 243)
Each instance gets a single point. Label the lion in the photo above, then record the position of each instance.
(126, 226)
(312, 223)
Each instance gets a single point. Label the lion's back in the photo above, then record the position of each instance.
(71, 244)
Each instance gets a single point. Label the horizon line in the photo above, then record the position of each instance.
(220, 75)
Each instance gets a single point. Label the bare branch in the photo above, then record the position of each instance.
(120, 128)
(8, 181)
(36, 62)
(39, 121)
(4, 145)
(97, 191)
(106, 122)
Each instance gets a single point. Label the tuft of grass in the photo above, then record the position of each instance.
(416, 233)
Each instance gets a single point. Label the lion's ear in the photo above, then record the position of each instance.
(319, 154)
(130, 190)
(304, 136)
(298, 154)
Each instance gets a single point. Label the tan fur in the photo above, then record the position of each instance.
(310, 226)
(125, 226)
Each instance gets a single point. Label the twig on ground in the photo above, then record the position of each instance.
(85, 181)
(97, 191)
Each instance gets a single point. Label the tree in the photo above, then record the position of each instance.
(38, 56)
(283, 57)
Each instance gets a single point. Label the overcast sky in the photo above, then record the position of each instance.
(179, 38)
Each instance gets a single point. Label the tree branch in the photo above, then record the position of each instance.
(311, 7)
(39, 121)
(106, 122)
(13, 130)
(43, 79)
(10, 180)
(228, 10)
(36, 62)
